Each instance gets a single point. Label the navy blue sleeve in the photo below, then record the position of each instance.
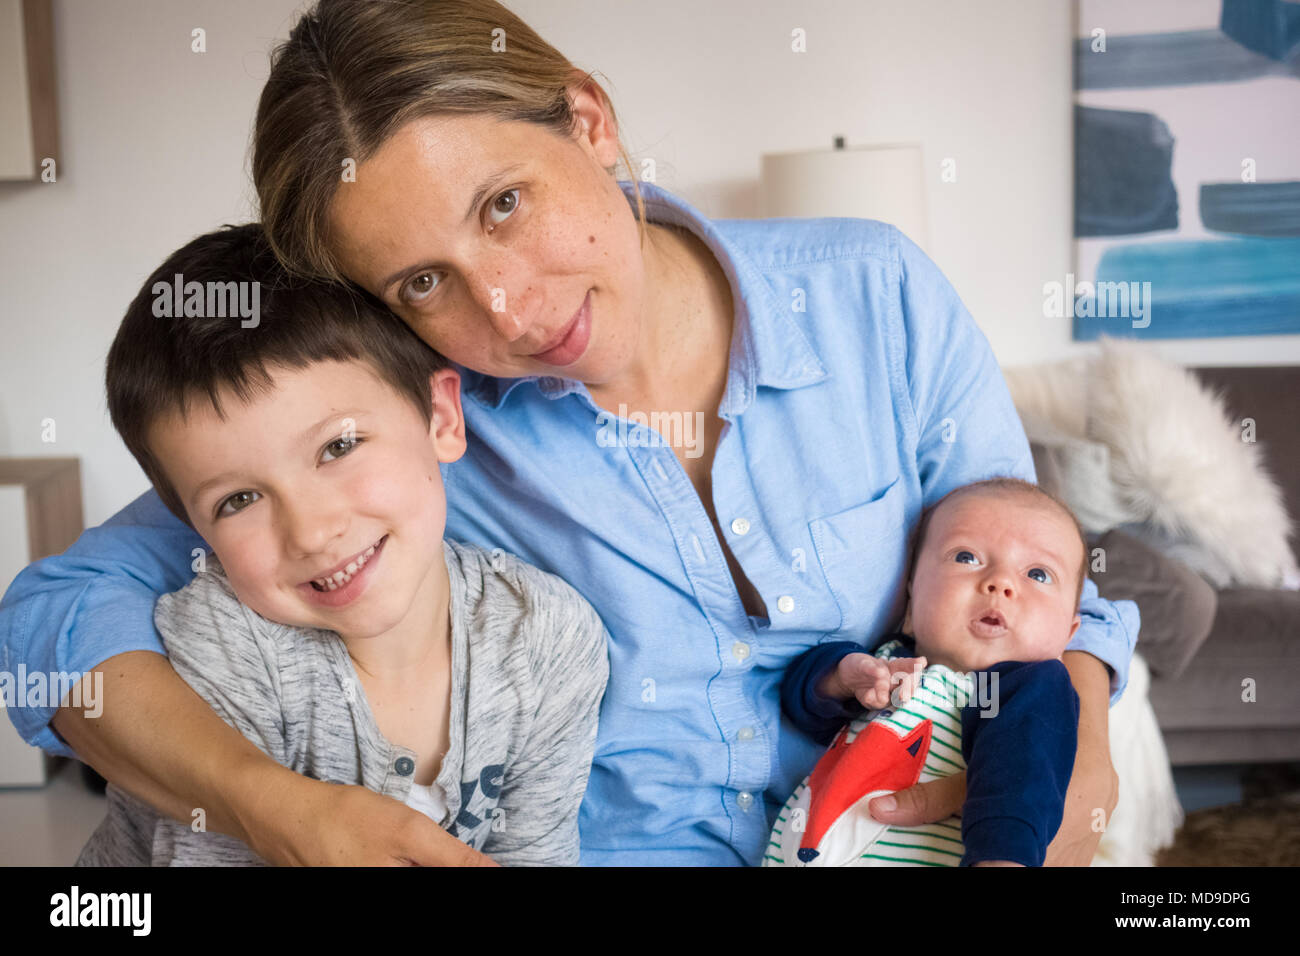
(817, 716)
(1019, 758)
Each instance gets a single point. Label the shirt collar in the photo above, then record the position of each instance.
(768, 348)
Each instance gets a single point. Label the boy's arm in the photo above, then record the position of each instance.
(543, 788)
(1018, 740)
(817, 716)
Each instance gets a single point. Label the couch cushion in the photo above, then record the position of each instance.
(1256, 636)
(1177, 605)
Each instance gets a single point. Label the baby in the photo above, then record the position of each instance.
(332, 625)
(993, 600)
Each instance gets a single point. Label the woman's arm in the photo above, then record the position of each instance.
(90, 609)
(159, 741)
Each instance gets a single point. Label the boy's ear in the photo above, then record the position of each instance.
(447, 423)
(1074, 627)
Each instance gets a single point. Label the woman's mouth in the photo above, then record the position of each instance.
(345, 584)
(567, 347)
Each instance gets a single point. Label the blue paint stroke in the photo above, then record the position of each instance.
(1270, 27)
(1203, 288)
(1122, 173)
(1252, 209)
(1184, 58)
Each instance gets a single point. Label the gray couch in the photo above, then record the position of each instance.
(1225, 664)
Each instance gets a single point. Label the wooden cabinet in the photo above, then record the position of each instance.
(40, 515)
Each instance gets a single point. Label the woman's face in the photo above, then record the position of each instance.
(486, 237)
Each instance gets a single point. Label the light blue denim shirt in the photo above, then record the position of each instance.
(859, 391)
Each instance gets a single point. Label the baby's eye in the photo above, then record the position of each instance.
(958, 555)
(345, 444)
(221, 509)
(1047, 576)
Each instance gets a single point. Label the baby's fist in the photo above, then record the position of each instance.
(870, 679)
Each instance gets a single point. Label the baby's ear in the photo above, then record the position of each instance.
(1074, 627)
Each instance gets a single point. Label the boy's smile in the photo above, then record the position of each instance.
(322, 496)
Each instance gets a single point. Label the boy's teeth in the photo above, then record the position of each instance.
(340, 578)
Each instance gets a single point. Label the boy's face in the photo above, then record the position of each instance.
(306, 478)
(989, 554)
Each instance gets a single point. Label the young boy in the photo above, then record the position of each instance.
(332, 625)
(993, 598)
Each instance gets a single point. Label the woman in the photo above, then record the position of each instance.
(812, 385)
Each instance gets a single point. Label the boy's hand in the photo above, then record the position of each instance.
(870, 679)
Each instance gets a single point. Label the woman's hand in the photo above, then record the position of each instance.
(336, 825)
(922, 803)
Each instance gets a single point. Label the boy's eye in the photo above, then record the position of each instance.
(1047, 576)
(957, 557)
(345, 446)
(221, 509)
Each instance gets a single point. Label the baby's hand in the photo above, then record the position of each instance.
(870, 679)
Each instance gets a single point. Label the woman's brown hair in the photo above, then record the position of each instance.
(354, 71)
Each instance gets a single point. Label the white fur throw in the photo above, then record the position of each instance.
(1148, 812)
(1178, 463)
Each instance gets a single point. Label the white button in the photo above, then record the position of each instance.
(745, 733)
(740, 650)
(785, 604)
(740, 526)
(745, 799)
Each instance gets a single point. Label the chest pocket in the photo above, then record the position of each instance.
(863, 554)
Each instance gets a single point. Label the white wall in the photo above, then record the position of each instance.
(155, 142)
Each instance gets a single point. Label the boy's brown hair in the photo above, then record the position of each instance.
(1005, 485)
(160, 360)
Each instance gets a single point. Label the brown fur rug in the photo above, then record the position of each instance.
(1262, 830)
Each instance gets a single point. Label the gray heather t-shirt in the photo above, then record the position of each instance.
(529, 666)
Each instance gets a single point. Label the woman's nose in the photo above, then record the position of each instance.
(509, 305)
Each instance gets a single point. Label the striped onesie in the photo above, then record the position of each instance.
(918, 742)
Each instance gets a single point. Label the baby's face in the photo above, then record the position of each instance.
(308, 478)
(990, 554)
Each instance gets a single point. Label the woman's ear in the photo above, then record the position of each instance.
(447, 423)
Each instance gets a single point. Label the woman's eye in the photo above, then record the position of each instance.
(418, 288)
(958, 555)
(511, 206)
(221, 509)
(1047, 576)
(345, 444)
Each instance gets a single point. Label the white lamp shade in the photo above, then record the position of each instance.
(865, 182)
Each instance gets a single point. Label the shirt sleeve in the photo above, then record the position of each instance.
(70, 612)
(542, 789)
(817, 716)
(1019, 759)
(227, 654)
(967, 429)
